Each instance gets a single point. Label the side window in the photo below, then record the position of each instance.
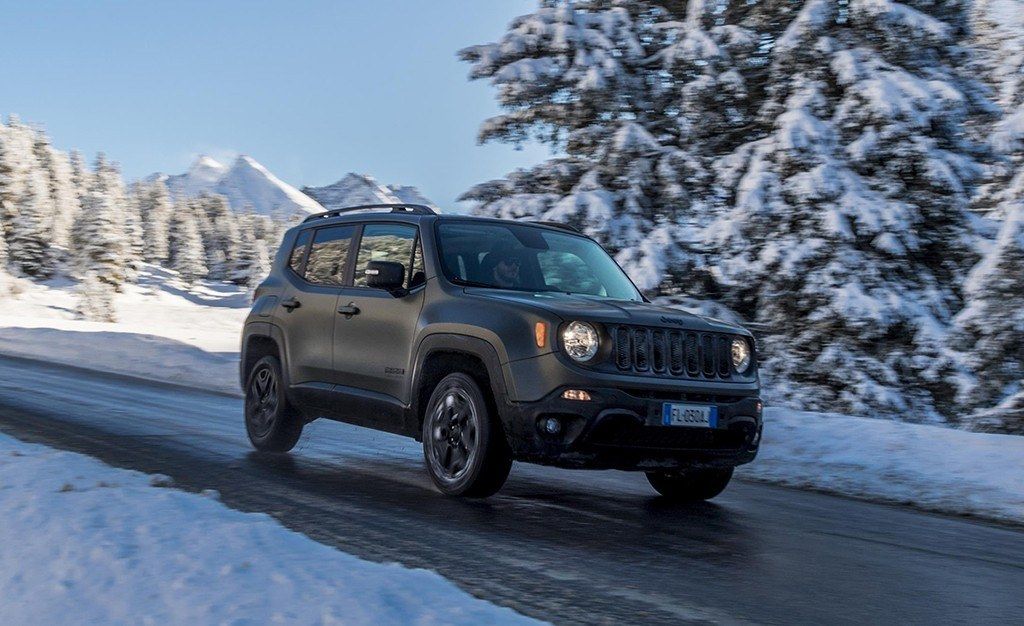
(329, 254)
(299, 252)
(384, 242)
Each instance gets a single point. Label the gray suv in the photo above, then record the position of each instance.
(491, 341)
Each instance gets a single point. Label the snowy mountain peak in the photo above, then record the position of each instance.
(355, 189)
(205, 165)
(246, 184)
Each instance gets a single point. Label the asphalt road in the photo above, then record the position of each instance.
(569, 547)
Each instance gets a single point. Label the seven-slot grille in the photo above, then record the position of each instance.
(666, 352)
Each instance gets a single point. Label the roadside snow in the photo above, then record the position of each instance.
(931, 467)
(84, 543)
(185, 335)
(166, 330)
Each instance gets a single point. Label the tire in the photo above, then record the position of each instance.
(272, 423)
(463, 444)
(690, 485)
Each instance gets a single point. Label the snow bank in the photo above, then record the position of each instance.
(932, 467)
(85, 543)
(166, 330)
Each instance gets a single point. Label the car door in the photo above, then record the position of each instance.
(374, 330)
(308, 308)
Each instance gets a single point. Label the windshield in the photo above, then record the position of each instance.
(529, 258)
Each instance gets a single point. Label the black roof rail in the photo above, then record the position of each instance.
(556, 225)
(417, 209)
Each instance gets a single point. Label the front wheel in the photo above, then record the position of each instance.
(463, 444)
(691, 485)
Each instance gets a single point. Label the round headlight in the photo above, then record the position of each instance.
(740, 354)
(580, 341)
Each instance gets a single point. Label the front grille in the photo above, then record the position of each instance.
(667, 352)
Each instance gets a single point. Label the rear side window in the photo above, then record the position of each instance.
(299, 252)
(385, 242)
(329, 255)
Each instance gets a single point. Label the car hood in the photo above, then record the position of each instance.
(589, 308)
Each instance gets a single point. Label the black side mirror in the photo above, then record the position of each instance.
(386, 275)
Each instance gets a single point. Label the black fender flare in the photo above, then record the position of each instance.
(463, 344)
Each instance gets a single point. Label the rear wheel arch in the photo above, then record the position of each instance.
(263, 340)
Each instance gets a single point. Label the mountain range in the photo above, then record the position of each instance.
(354, 189)
(249, 186)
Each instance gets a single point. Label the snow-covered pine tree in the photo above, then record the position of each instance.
(62, 189)
(998, 36)
(3, 248)
(97, 237)
(990, 331)
(95, 301)
(846, 233)
(636, 94)
(135, 234)
(16, 161)
(185, 245)
(252, 263)
(220, 234)
(30, 230)
(155, 207)
(81, 177)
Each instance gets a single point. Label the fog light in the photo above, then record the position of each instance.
(552, 426)
(576, 394)
(760, 407)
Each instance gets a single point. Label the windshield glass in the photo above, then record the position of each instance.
(529, 258)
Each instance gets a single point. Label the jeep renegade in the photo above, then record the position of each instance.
(491, 341)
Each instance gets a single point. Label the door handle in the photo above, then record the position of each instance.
(348, 310)
(291, 304)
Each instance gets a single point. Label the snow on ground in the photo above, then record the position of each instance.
(175, 334)
(931, 467)
(166, 330)
(85, 543)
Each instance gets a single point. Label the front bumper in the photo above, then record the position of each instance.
(620, 428)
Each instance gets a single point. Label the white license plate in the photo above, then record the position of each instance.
(693, 415)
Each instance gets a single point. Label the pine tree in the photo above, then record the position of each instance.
(98, 244)
(637, 95)
(185, 245)
(155, 209)
(16, 161)
(81, 177)
(3, 248)
(252, 264)
(998, 36)
(990, 331)
(95, 300)
(134, 231)
(846, 232)
(63, 194)
(30, 230)
(219, 229)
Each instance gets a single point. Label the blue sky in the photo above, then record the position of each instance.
(311, 89)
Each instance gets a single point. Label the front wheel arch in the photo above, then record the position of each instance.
(441, 354)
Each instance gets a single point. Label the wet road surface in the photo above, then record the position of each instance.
(569, 547)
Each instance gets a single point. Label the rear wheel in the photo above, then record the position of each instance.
(272, 423)
(463, 444)
(690, 485)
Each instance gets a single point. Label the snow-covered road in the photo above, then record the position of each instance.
(565, 546)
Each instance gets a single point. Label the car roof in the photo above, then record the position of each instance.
(331, 218)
